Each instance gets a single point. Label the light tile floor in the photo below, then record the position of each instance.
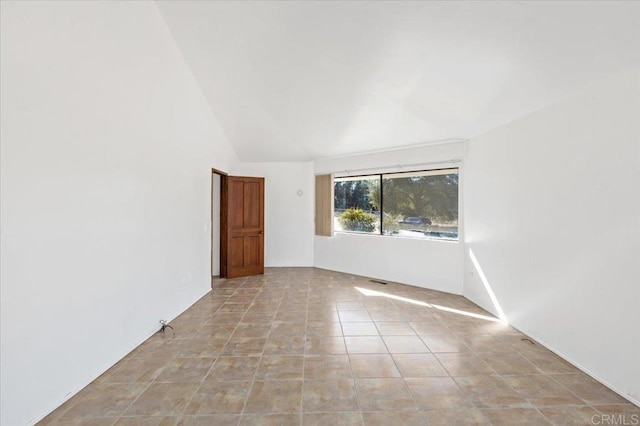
(315, 347)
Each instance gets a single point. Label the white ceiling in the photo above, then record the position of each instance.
(291, 81)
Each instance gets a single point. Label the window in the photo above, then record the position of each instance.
(422, 204)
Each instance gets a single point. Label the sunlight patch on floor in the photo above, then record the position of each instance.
(374, 293)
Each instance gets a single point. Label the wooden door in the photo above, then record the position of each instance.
(244, 226)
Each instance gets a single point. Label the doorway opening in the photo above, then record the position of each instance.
(237, 226)
(218, 179)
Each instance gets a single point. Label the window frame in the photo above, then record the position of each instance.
(380, 177)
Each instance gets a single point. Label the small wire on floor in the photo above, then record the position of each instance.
(164, 326)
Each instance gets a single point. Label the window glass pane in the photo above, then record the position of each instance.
(355, 207)
(421, 204)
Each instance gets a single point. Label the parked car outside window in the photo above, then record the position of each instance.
(412, 220)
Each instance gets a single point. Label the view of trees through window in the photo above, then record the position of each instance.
(420, 204)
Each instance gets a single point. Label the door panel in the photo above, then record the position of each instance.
(236, 260)
(252, 198)
(236, 204)
(245, 230)
(252, 250)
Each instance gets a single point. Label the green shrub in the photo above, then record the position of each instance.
(357, 220)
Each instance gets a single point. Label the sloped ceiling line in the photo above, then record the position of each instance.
(296, 81)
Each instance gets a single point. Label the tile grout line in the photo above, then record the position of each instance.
(255, 373)
(155, 378)
(413, 397)
(304, 358)
(267, 298)
(478, 354)
(353, 377)
(219, 355)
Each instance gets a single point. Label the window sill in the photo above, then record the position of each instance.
(401, 237)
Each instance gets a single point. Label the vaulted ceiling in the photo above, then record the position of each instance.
(292, 81)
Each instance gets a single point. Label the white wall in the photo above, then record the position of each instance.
(107, 149)
(552, 215)
(288, 234)
(424, 263)
(431, 264)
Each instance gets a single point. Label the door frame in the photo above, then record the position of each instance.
(223, 224)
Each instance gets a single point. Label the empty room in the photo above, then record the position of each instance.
(320, 212)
